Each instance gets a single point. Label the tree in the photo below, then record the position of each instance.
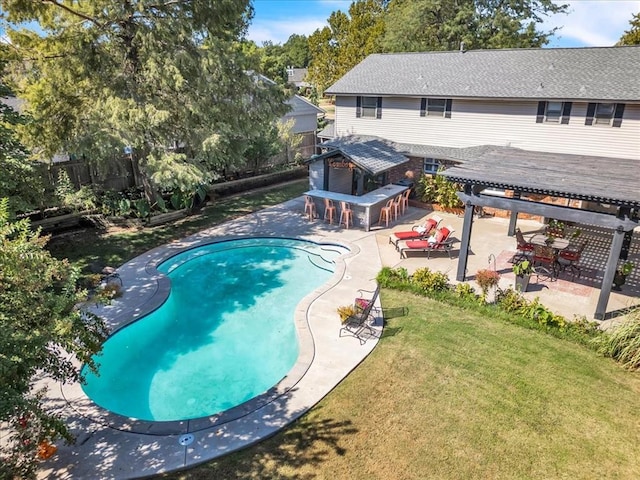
(168, 79)
(296, 51)
(347, 40)
(19, 182)
(631, 36)
(39, 327)
(425, 25)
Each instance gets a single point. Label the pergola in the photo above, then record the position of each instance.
(612, 182)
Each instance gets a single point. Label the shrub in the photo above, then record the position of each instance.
(465, 291)
(623, 343)
(437, 189)
(429, 281)
(392, 277)
(545, 317)
(510, 300)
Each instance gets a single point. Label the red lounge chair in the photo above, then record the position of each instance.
(441, 241)
(416, 232)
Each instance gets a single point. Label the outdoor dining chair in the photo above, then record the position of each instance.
(570, 257)
(546, 261)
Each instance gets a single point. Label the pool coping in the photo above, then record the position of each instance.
(83, 405)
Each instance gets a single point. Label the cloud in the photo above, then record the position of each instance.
(592, 23)
(279, 31)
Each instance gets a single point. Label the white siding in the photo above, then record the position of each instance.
(490, 122)
(303, 123)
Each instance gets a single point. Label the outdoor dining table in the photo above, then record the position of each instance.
(557, 244)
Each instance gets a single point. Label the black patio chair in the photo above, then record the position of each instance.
(360, 322)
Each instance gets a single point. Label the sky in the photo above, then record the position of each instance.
(589, 23)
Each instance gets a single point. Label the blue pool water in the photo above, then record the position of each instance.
(225, 334)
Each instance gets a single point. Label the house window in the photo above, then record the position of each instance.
(553, 112)
(604, 113)
(370, 107)
(431, 166)
(436, 106)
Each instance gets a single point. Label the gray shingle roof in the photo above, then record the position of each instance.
(329, 131)
(607, 180)
(373, 154)
(300, 106)
(603, 73)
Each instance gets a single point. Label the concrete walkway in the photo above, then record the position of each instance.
(109, 446)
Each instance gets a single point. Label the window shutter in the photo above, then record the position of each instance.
(423, 107)
(591, 111)
(358, 107)
(540, 114)
(617, 115)
(379, 109)
(447, 108)
(566, 113)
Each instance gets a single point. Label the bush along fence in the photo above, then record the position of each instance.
(622, 343)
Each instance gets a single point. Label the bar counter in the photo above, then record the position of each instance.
(366, 208)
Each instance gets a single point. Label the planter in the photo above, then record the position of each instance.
(522, 283)
(619, 279)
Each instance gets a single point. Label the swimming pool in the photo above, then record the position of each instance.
(224, 335)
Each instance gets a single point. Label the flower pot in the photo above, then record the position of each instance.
(618, 280)
(522, 282)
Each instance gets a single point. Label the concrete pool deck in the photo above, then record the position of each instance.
(113, 447)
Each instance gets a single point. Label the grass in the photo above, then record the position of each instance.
(91, 250)
(449, 393)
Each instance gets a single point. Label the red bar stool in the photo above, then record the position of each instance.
(346, 214)
(329, 210)
(309, 207)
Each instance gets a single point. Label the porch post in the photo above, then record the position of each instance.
(325, 180)
(607, 281)
(513, 218)
(467, 225)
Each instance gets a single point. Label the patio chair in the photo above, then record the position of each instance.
(524, 248)
(440, 242)
(360, 323)
(386, 212)
(367, 297)
(569, 258)
(546, 260)
(417, 231)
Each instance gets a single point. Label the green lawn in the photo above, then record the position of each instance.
(450, 394)
(92, 250)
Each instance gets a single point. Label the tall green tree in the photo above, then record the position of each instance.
(425, 25)
(631, 36)
(40, 327)
(296, 51)
(346, 41)
(169, 79)
(19, 181)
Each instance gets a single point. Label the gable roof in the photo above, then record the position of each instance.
(372, 154)
(296, 75)
(301, 106)
(603, 73)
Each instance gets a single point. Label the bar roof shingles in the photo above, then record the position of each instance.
(602, 73)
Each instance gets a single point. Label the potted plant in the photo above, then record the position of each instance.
(487, 279)
(620, 276)
(523, 269)
(555, 229)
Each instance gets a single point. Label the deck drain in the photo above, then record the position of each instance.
(186, 439)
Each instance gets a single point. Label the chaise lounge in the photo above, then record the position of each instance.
(417, 231)
(441, 241)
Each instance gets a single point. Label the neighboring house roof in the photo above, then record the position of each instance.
(602, 73)
(302, 106)
(375, 155)
(15, 103)
(297, 76)
(329, 131)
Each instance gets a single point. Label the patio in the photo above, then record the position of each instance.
(115, 451)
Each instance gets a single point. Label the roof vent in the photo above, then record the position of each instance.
(462, 50)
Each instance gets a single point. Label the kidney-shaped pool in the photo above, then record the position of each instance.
(225, 334)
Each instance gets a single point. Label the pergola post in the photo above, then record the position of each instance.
(513, 218)
(610, 271)
(467, 225)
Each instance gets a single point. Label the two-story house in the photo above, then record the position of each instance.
(552, 123)
(432, 106)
